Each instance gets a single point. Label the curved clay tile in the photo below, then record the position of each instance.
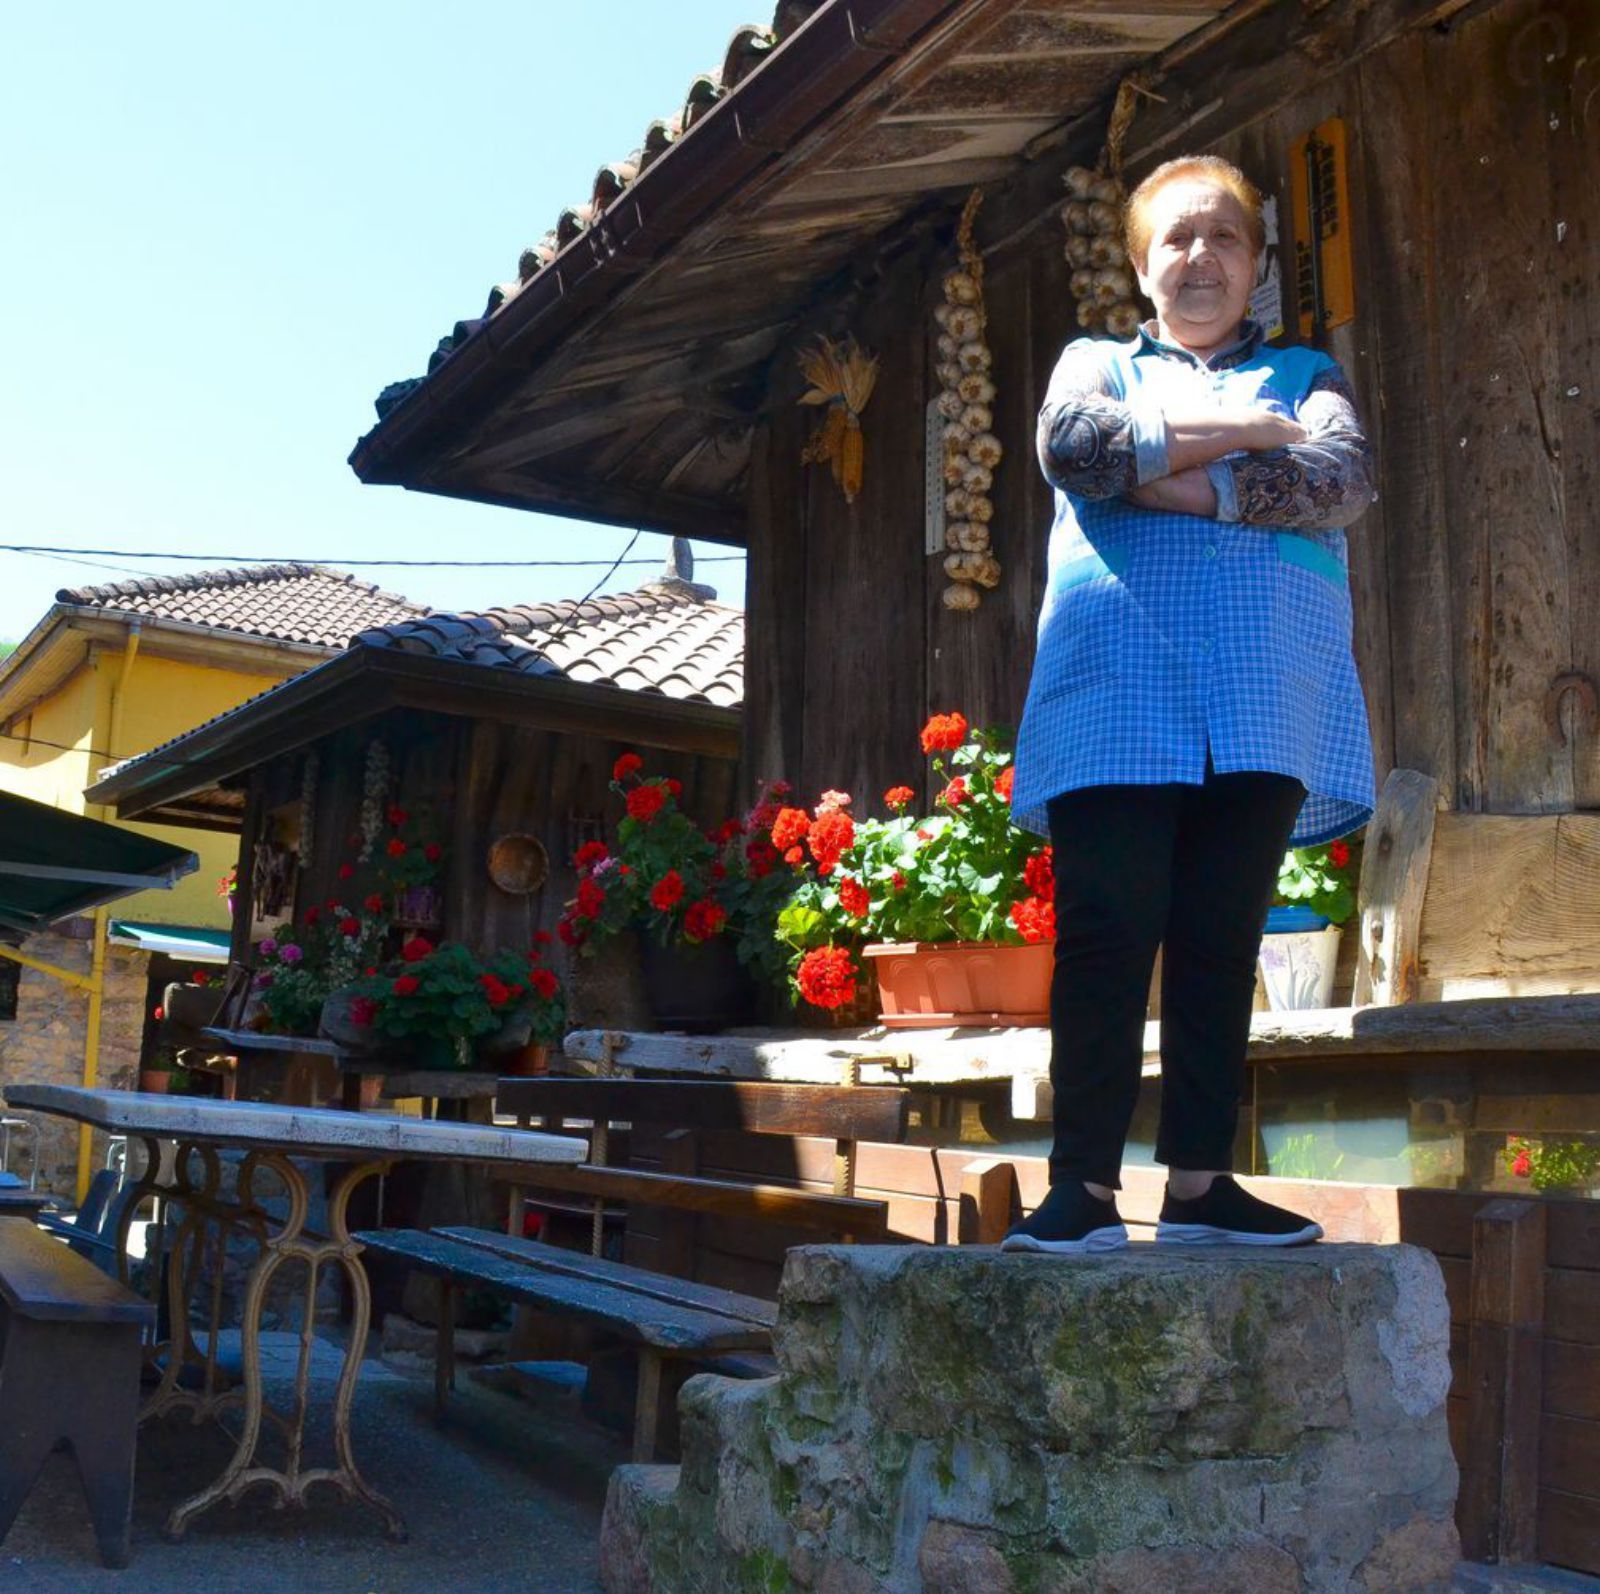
(537, 256)
(704, 92)
(791, 15)
(658, 139)
(574, 220)
(748, 48)
(610, 181)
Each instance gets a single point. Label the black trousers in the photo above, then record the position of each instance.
(1190, 869)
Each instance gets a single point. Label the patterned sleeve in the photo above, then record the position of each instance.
(1322, 483)
(1093, 442)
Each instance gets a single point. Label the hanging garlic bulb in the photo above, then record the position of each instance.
(965, 323)
(1080, 182)
(961, 288)
(977, 418)
(1104, 250)
(959, 597)
(974, 357)
(977, 478)
(950, 405)
(1122, 320)
(976, 388)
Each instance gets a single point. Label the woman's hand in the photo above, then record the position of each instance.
(1199, 436)
(1185, 492)
(1267, 429)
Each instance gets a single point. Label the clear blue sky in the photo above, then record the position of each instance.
(228, 227)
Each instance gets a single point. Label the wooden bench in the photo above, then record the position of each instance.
(69, 1376)
(664, 1318)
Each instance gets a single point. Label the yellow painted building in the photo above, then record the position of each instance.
(114, 671)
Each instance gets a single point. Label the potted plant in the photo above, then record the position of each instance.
(300, 966)
(156, 1075)
(1315, 897)
(1571, 1165)
(444, 1002)
(666, 881)
(955, 908)
(408, 867)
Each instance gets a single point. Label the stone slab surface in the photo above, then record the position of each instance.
(313, 1130)
(952, 1421)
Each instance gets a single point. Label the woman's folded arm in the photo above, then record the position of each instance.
(1321, 483)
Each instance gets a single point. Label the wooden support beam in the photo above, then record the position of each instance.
(987, 1202)
(1394, 881)
(1499, 1514)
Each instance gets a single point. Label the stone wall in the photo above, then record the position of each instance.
(45, 1043)
(966, 1422)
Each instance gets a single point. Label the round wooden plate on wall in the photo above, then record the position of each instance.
(518, 864)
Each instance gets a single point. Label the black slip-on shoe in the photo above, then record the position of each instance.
(1227, 1215)
(1069, 1222)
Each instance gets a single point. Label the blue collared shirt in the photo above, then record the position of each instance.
(1164, 636)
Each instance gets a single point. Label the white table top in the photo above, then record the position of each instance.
(310, 1131)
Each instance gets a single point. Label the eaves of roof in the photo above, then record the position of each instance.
(832, 57)
(365, 682)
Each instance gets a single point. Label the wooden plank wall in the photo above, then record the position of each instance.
(1475, 153)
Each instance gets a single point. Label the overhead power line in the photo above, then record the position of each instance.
(329, 559)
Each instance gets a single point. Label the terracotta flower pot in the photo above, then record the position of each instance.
(935, 985)
(155, 1081)
(530, 1062)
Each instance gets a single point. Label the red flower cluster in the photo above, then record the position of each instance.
(591, 899)
(854, 898)
(1034, 919)
(406, 985)
(646, 801)
(1002, 783)
(362, 1011)
(726, 831)
(313, 913)
(627, 766)
(1522, 1164)
(1338, 853)
(349, 926)
(944, 733)
(832, 835)
(789, 828)
(496, 989)
(955, 793)
(346, 870)
(416, 949)
(433, 852)
(898, 797)
(1039, 873)
(374, 903)
(397, 815)
(827, 977)
(589, 854)
(667, 892)
(704, 919)
(761, 857)
(396, 847)
(544, 983)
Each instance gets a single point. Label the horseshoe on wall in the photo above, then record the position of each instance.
(1588, 702)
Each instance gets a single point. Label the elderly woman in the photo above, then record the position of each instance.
(1194, 708)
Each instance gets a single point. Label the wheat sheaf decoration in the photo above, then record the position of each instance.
(842, 376)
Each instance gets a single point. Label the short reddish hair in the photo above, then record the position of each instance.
(1210, 169)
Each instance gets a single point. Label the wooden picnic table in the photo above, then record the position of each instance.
(271, 1137)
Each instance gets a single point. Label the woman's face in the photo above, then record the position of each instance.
(1200, 268)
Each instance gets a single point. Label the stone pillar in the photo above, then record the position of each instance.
(958, 1421)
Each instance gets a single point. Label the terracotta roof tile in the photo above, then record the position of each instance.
(288, 602)
(750, 46)
(668, 638)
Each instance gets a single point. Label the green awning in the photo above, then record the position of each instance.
(55, 864)
(189, 942)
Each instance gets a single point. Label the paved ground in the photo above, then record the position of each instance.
(506, 1496)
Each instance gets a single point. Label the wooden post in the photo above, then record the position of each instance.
(1394, 881)
(680, 1155)
(988, 1199)
(1505, 1348)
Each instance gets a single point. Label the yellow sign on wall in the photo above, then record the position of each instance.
(1320, 187)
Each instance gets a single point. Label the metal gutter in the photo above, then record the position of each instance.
(836, 54)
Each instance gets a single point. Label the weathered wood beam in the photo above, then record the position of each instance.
(1394, 882)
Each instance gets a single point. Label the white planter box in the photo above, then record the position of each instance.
(1297, 968)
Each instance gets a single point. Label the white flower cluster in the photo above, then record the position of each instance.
(971, 450)
(1102, 279)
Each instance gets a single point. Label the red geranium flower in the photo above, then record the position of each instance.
(719, 870)
(374, 903)
(675, 787)
(591, 899)
(898, 797)
(544, 982)
(416, 949)
(589, 854)
(955, 793)
(349, 927)
(313, 913)
(406, 985)
(1034, 919)
(899, 881)
(762, 858)
(827, 977)
(158, 1013)
(346, 870)
(433, 852)
(541, 938)
(397, 815)
(944, 733)
(703, 919)
(396, 847)
(854, 898)
(726, 831)
(629, 764)
(1522, 1164)
(1039, 873)
(645, 802)
(1002, 783)
(1338, 853)
(496, 989)
(570, 933)
(789, 828)
(832, 835)
(667, 892)
(795, 855)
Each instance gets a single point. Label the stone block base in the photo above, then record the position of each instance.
(956, 1421)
